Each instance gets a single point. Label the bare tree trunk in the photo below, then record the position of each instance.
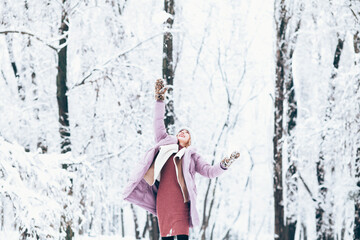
(357, 159)
(287, 26)
(154, 227)
(322, 194)
(168, 66)
(61, 86)
(207, 214)
(20, 85)
(290, 176)
(63, 103)
(2, 213)
(325, 224)
(277, 148)
(122, 222)
(41, 140)
(357, 198)
(281, 24)
(9, 44)
(137, 232)
(303, 233)
(82, 203)
(291, 117)
(168, 74)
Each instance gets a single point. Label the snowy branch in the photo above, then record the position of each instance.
(307, 187)
(31, 35)
(121, 53)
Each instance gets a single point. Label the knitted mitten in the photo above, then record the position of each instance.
(160, 90)
(226, 162)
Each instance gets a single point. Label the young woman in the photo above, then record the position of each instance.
(165, 182)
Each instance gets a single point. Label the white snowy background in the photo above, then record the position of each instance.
(223, 51)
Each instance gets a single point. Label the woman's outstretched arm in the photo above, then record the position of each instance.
(159, 125)
(211, 171)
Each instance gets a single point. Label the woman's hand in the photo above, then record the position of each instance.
(226, 162)
(160, 90)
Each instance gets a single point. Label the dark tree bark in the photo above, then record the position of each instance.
(357, 198)
(322, 194)
(168, 66)
(154, 227)
(356, 42)
(291, 117)
(325, 224)
(122, 222)
(63, 104)
(281, 24)
(137, 232)
(287, 26)
(303, 233)
(207, 213)
(278, 143)
(13, 63)
(61, 86)
(290, 176)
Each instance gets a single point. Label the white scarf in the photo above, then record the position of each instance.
(165, 152)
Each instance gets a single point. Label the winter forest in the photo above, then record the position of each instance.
(278, 81)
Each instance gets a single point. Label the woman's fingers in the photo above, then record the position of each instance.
(163, 91)
(235, 155)
(159, 84)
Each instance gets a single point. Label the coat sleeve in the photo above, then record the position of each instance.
(206, 169)
(159, 125)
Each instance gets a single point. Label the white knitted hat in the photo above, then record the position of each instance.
(191, 132)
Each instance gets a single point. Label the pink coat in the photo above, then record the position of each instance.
(139, 192)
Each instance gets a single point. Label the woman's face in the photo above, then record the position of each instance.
(184, 137)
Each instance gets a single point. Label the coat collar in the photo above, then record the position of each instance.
(173, 148)
(170, 139)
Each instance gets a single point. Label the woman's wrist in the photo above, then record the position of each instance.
(159, 97)
(223, 166)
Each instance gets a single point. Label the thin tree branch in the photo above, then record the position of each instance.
(122, 53)
(112, 155)
(354, 14)
(307, 187)
(31, 35)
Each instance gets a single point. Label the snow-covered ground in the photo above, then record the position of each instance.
(104, 238)
(12, 235)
